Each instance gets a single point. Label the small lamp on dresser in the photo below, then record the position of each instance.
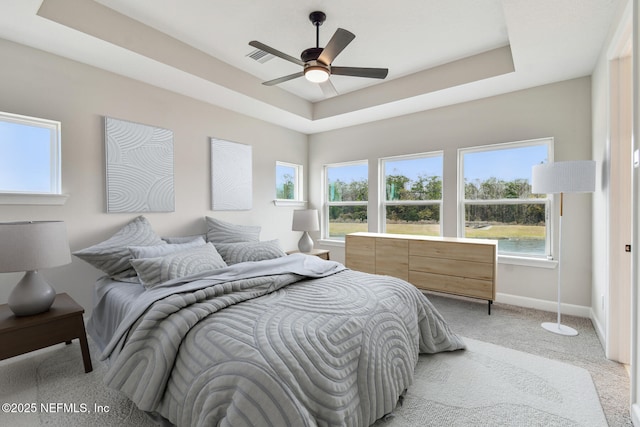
(29, 246)
(305, 220)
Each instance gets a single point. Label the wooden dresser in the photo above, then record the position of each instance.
(465, 267)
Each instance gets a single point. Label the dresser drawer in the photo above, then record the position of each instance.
(464, 286)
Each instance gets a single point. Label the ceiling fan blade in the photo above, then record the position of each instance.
(372, 73)
(275, 52)
(284, 79)
(340, 39)
(328, 89)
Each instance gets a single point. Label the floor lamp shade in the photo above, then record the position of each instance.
(305, 220)
(577, 176)
(28, 247)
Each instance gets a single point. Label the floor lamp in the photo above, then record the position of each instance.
(577, 176)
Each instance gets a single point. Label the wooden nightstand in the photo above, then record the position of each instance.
(321, 253)
(62, 323)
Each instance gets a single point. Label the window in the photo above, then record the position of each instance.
(496, 200)
(346, 195)
(29, 156)
(288, 183)
(412, 189)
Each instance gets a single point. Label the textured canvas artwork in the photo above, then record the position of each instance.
(139, 167)
(231, 178)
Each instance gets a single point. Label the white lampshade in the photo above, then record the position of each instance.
(576, 176)
(305, 220)
(26, 246)
(30, 246)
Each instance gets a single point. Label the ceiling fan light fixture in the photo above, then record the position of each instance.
(316, 73)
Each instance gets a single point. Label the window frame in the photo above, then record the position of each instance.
(54, 196)
(382, 188)
(298, 183)
(535, 260)
(326, 204)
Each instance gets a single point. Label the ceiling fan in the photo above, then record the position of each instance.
(316, 61)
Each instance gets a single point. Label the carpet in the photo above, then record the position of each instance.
(483, 385)
(490, 385)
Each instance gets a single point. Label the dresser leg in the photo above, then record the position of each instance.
(489, 305)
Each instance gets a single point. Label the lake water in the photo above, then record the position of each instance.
(521, 246)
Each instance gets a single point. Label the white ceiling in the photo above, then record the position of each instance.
(199, 47)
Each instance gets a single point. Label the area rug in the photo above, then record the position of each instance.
(485, 385)
(489, 385)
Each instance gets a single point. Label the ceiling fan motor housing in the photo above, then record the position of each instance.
(311, 54)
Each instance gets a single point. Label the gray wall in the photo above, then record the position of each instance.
(561, 110)
(39, 84)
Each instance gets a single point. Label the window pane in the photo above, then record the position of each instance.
(25, 158)
(520, 229)
(347, 183)
(285, 182)
(414, 179)
(417, 219)
(502, 173)
(346, 219)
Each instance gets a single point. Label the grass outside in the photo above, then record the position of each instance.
(339, 229)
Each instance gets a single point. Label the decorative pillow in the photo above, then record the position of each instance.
(153, 271)
(184, 239)
(162, 250)
(234, 253)
(224, 232)
(112, 256)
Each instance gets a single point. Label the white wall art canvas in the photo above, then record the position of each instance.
(231, 177)
(139, 167)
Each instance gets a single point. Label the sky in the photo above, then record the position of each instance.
(507, 164)
(24, 164)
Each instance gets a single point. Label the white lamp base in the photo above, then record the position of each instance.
(305, 244)
(560, 329)
(32, 295)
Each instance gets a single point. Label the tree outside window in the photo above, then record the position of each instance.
(498, 203)
(346, 199)
(413, 194)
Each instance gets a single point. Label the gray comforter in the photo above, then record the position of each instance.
(296, 341)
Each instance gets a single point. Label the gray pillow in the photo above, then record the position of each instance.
(225, 232)
(184, 239)
(112, 256)
(162, 250)
(199, 259)
(234, 253)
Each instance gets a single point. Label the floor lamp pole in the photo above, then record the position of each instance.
(559, 328)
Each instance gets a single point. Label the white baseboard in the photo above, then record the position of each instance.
(599, 327)
(635, 414)
(569, 309)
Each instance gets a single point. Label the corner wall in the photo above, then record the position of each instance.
(561, 110)
(39, 84)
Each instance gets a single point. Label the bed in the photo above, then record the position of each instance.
(269, 340)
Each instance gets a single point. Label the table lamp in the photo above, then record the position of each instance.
(577, 176)
(29, 246)
(305, 220)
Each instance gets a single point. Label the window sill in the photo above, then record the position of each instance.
(527, 261)
(33, 199)
(289, 203)
(328, 242)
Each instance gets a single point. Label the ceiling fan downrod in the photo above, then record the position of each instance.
(317, 18)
